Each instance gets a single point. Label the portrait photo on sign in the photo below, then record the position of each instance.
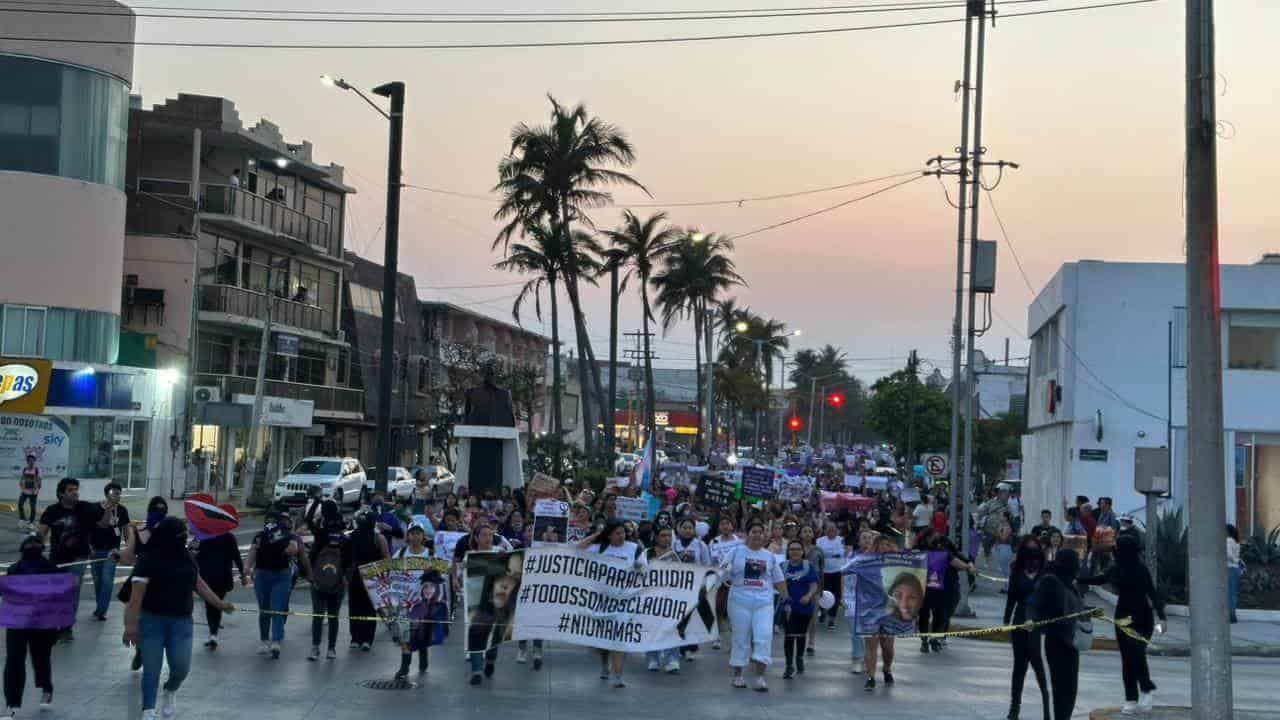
(490, 587)
(890, 592)
(550, 529)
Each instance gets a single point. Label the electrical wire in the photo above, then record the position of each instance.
(837, 206)
(1079, 360)
(469, 287)
(316, 16)
(671, 40)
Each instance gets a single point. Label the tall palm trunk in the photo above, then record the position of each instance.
(557, 391)
(697, 359)
(585, 354)
(650, 396)
(708, 339)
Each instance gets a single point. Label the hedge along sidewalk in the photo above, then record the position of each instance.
(1249, 638)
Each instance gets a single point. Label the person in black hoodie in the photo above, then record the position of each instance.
(37, 642)
(331, 570)
(215, 558)
(1053, 653)
(1026, 568)
(1138, 602)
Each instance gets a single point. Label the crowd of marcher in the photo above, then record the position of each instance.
(781, 560)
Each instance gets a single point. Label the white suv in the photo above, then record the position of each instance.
(341, 479)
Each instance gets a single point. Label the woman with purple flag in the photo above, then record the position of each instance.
(38, 642)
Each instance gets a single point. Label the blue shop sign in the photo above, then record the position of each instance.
(92, 389)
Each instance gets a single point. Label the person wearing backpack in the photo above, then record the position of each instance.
(330, 567)
(1055, 656)
(802, 592)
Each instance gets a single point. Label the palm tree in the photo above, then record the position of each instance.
(694, 274)
(639, 246)
(553, 174)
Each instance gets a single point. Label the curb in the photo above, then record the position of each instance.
(1160, 650)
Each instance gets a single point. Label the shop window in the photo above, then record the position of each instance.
(91, 445)
(23, 331)
(1253, 348)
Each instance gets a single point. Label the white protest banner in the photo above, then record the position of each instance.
(550, 522)
(621, 482)
(720, 548)
(911, 495)
(853, 481)
(636, 509)
(795, 489)
(445, 541)
(877, 482)
(584, 598)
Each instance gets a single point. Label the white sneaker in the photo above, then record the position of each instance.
(858, 668)
(653, 666)
(672, 666)
(46, 701)
(1129, 708)
(149, 715)
(264, 648)
(715, 645)
(8, 713)
(1146, 701)
(761, 685)
(315, 653)
(521, 656)
(168, 702)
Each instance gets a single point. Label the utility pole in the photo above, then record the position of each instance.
(642, 356)
(1211, 693)
(258, 494)
(611, 420)
(390, 261)
(782, 390)
(710, 438)
(911, 411)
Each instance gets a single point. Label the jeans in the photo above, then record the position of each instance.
(27, 500)
(78, 571)
(104, 579)
(478, 659)
(662, 657)
(1233, 589)
(18, 643)
(1004, 559)
(273, 588)
(162, 637)
(325, 604)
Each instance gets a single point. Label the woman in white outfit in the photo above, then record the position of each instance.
(754, 576)
(612, 540)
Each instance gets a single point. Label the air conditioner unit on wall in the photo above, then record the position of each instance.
(208, 393)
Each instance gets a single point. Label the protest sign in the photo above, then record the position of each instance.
(636, 509)
(853, 481)
(543, 486)
(719, 549)
(396, 586)
(911, 495)
(675, 474)
(619, 482)
(795, 489)
(715, 490)
(550, 522)
(490, 586)
(38, 602)
(585, 598)
(832, 502)
(889, 592)
(757, 482)
(445, 541)
(876, 482)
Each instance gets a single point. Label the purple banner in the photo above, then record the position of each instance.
(889, 592)
(38, 602)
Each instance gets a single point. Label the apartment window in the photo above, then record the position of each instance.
(310, 364)
(213, 354)
(1253, 348)
(369, 301)
(23, 331)
(218, 260)
(423, 376)
(1044, 348)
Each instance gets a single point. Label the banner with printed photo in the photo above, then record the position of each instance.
(888, 592)
(41, 438)
(550, 522)
(795, 489)
(584, 598)
(445, 542)
(833, 502)
(411, 594)
(634, 509)
(490, 585)
(938, 560)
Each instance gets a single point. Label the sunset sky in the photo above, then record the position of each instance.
(1089, 103)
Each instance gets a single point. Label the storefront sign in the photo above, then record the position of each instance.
(24, 384)
(283, 412)
(42, 438)
(1092, 455)
(287, 345)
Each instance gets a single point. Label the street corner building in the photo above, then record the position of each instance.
(1108, 378)
(74, 403)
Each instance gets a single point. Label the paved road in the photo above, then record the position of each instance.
(969, 681)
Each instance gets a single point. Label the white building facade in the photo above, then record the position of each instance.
(1108, 375)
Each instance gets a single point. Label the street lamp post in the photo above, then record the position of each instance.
(391, 253)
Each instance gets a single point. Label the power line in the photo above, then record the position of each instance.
(263, 15)
(672, 40)
(1058, 331)
(837, 206)
(469, 287)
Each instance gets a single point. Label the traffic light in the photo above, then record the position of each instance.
(836, 400)
(795, 424)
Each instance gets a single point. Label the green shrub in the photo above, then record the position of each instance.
(1262, 548)
(1172, 555)
(1258, 580)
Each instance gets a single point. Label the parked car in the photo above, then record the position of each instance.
(625, 463)
(399, 476)
(341, 479)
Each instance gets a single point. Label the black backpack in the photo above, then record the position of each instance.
(326, 570)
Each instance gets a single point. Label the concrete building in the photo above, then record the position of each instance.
(229, 224)
(1108, 375)
(63, 120)
(1001, 389)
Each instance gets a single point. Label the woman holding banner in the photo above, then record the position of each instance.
(490, 620)
(612, 540)
(754, 576)
(36, 641)
(718, 549)
(367, 545)
(666, 660)
(271, 562)
(1024, 572)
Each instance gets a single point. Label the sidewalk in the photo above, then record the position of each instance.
(1248, 639)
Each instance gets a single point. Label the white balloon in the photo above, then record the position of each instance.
(827, 601)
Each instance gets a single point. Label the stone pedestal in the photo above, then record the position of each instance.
(489, 458)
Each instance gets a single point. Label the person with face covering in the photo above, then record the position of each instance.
(1026, 568)
(135, 547)
(1054, 657)
(367, 545)
(38, 642)
(271, 559)
(331, 569)
(158, 620)
(1139, 603)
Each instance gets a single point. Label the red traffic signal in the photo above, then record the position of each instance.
(836, 399)
(794, 424)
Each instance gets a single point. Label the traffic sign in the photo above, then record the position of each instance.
(934, 464)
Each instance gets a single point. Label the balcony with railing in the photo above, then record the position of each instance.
(241, 206)
(248, 304)
(328, 399)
